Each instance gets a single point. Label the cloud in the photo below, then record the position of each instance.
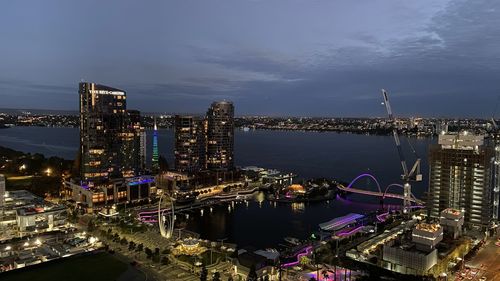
(270, 57)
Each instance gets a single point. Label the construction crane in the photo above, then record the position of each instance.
(496, 181)
(408, 175)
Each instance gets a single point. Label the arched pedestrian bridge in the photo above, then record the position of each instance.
(377, 193)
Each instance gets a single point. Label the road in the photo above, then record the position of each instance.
(487, 261)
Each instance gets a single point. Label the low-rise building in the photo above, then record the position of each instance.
(40, 218)
(25, 213)
(268, 176)
(123, 190)
(427, 235)
(406, 258)
(452, 221)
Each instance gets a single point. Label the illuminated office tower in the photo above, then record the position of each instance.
(189, 144)
(220, 136)
(103, 132)
(461, 177)
(155, 161)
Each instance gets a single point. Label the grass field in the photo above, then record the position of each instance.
(97, 267)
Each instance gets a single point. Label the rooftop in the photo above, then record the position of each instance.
(429, 227)
(340, 222)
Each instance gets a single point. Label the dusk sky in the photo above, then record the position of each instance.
(292, 57)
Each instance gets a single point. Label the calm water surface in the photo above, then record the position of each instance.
(308, 154)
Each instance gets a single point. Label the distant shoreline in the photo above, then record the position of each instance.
(241, 128)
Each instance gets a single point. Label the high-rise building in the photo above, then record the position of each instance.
(220, 136)
(189, 144)
(138, 142)
(155, 161)
(496, 178)
(106, 141)
(461, 177)
(2, 191)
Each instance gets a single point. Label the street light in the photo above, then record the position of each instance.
(48, 171)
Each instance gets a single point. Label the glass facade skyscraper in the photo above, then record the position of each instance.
(108, 134)
(190, 144)
(220, 136)
(137, 151)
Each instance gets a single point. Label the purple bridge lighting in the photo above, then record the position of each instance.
(380, 194)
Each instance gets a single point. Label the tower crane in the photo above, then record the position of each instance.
(496, 180)
(408, 175)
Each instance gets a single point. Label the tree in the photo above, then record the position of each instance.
(203, 273)
(73, 215)
(230, 278)
(123, 241)
(90, 226)
(131, 246)
(139, 247)
(252, 275)
(164, 260)
(216, 277)
(155, 258)
(148, 252)
(304, 261)
(266, 278)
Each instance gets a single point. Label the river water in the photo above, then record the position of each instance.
(308, 154)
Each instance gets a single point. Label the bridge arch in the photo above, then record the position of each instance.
(391, 185)
(364, 176)
(415, 200)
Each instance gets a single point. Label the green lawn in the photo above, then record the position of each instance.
(101, 266)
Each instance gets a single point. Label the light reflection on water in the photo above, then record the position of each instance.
(260, 222)
(298, 207)
(265, 223)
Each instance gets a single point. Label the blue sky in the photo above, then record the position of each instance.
(271, 57)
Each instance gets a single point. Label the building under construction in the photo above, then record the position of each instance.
(461, 177)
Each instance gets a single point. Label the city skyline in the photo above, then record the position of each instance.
(440, 55)
(365, 147)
